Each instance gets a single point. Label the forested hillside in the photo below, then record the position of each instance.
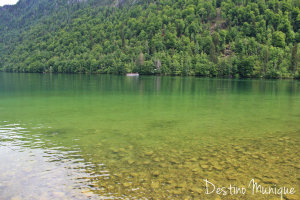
(214, 38)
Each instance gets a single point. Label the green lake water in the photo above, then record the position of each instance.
(116, 137)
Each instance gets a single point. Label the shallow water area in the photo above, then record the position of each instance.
(114, 137)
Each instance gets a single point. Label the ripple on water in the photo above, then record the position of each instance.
(28, 171)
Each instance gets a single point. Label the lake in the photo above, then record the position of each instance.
(66, 136)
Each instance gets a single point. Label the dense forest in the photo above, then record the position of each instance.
(211, 38)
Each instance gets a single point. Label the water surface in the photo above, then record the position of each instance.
(115, 137)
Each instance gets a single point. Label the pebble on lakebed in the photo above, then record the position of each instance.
(127, 184)
(149, 153)
(156, 173)
(154, 185)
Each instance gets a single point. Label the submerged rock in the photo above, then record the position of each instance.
(196, 190)
(174, 161)
(154, 185)
(156, 173)
(130, 162)
(196, 170)
(127, 184)
(119, 175)
(270, 181)
(218, 167)
(149, 153)
(163, 165)
(204, 166)
(110, 187)
(170, 182)
(147, 162)
(176, 192)
(193, 159)
(133, 174)
(181, 185)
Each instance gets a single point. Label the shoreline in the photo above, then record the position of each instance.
(157, 75)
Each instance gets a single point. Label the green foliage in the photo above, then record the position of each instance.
(245, 67)
(278, 39)
(294, 62)
(203, 38)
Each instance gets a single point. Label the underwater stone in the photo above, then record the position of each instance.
(174, 161)
(118, 175)
(110, 187)
(171, 182)
(133, 174)
(147, 162)
(270, 181)
(193, 159)
(196, 170)
(156, 173)
(127, 184)
(162, 159)
(181, 185)
(196, 190)
(188, 163)
(179, 166)
(163, 165)
(202, 162)
(130, 162)
(204, 166)
(176, 192)
(154, 185)
(218, 167)
(204, 158)
(115, 150)
(149, 153)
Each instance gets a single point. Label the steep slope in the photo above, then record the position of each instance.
(205, 38)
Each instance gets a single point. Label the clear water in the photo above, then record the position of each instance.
(117, 137)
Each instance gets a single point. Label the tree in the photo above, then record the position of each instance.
(245, 67)
(278, 39)
(294, 61)
(212, 53)
(170, 40)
